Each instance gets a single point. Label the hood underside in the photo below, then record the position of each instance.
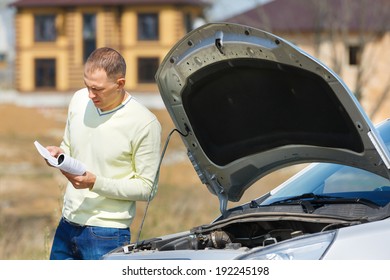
(250, 102)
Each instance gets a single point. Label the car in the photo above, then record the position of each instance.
(248, 103)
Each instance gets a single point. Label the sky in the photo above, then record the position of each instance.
(6, 22)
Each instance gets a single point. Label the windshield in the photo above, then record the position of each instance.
(337, 180)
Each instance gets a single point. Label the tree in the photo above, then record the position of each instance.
(358, 25)
(348, 35)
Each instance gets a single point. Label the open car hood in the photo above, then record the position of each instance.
(249, 102)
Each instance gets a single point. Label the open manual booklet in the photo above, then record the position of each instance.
(63, 162)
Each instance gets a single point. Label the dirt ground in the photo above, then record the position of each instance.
(31, 192)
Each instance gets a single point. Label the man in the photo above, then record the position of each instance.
(118, 140)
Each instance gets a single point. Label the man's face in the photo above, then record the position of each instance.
(105, 93)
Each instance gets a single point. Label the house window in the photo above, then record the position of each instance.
(89, 34)
(45, 73)
(355, 55)
(148, 27)
(45, 28)
(147, 68)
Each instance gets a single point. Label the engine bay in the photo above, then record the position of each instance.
(244, 232)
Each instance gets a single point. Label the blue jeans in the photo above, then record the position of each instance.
(77, 242)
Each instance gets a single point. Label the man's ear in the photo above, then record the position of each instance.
(121, 83)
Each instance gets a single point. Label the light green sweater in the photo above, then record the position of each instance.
(122, 148)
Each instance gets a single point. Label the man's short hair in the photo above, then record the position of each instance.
(109, 60)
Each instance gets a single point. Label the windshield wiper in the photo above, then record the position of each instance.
(310, 200)
(298, 198)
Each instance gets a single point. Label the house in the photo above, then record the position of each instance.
(351, 37)
(55, 37)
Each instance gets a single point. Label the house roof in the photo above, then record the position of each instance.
(53, 3)
(306, 16)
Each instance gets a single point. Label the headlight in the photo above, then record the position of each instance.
(310, 247)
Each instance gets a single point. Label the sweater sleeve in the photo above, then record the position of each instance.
(65, 140)
(145, 159)
(65, 144)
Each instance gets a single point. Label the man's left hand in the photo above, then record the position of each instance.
(85, 181)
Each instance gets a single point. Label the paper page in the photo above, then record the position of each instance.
(46, 154)
(63, 162)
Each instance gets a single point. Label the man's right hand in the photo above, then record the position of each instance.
(54, 151)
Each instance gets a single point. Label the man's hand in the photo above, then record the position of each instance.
(85, 181)
(54, 152)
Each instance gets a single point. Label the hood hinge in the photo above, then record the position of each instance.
(380, 147)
